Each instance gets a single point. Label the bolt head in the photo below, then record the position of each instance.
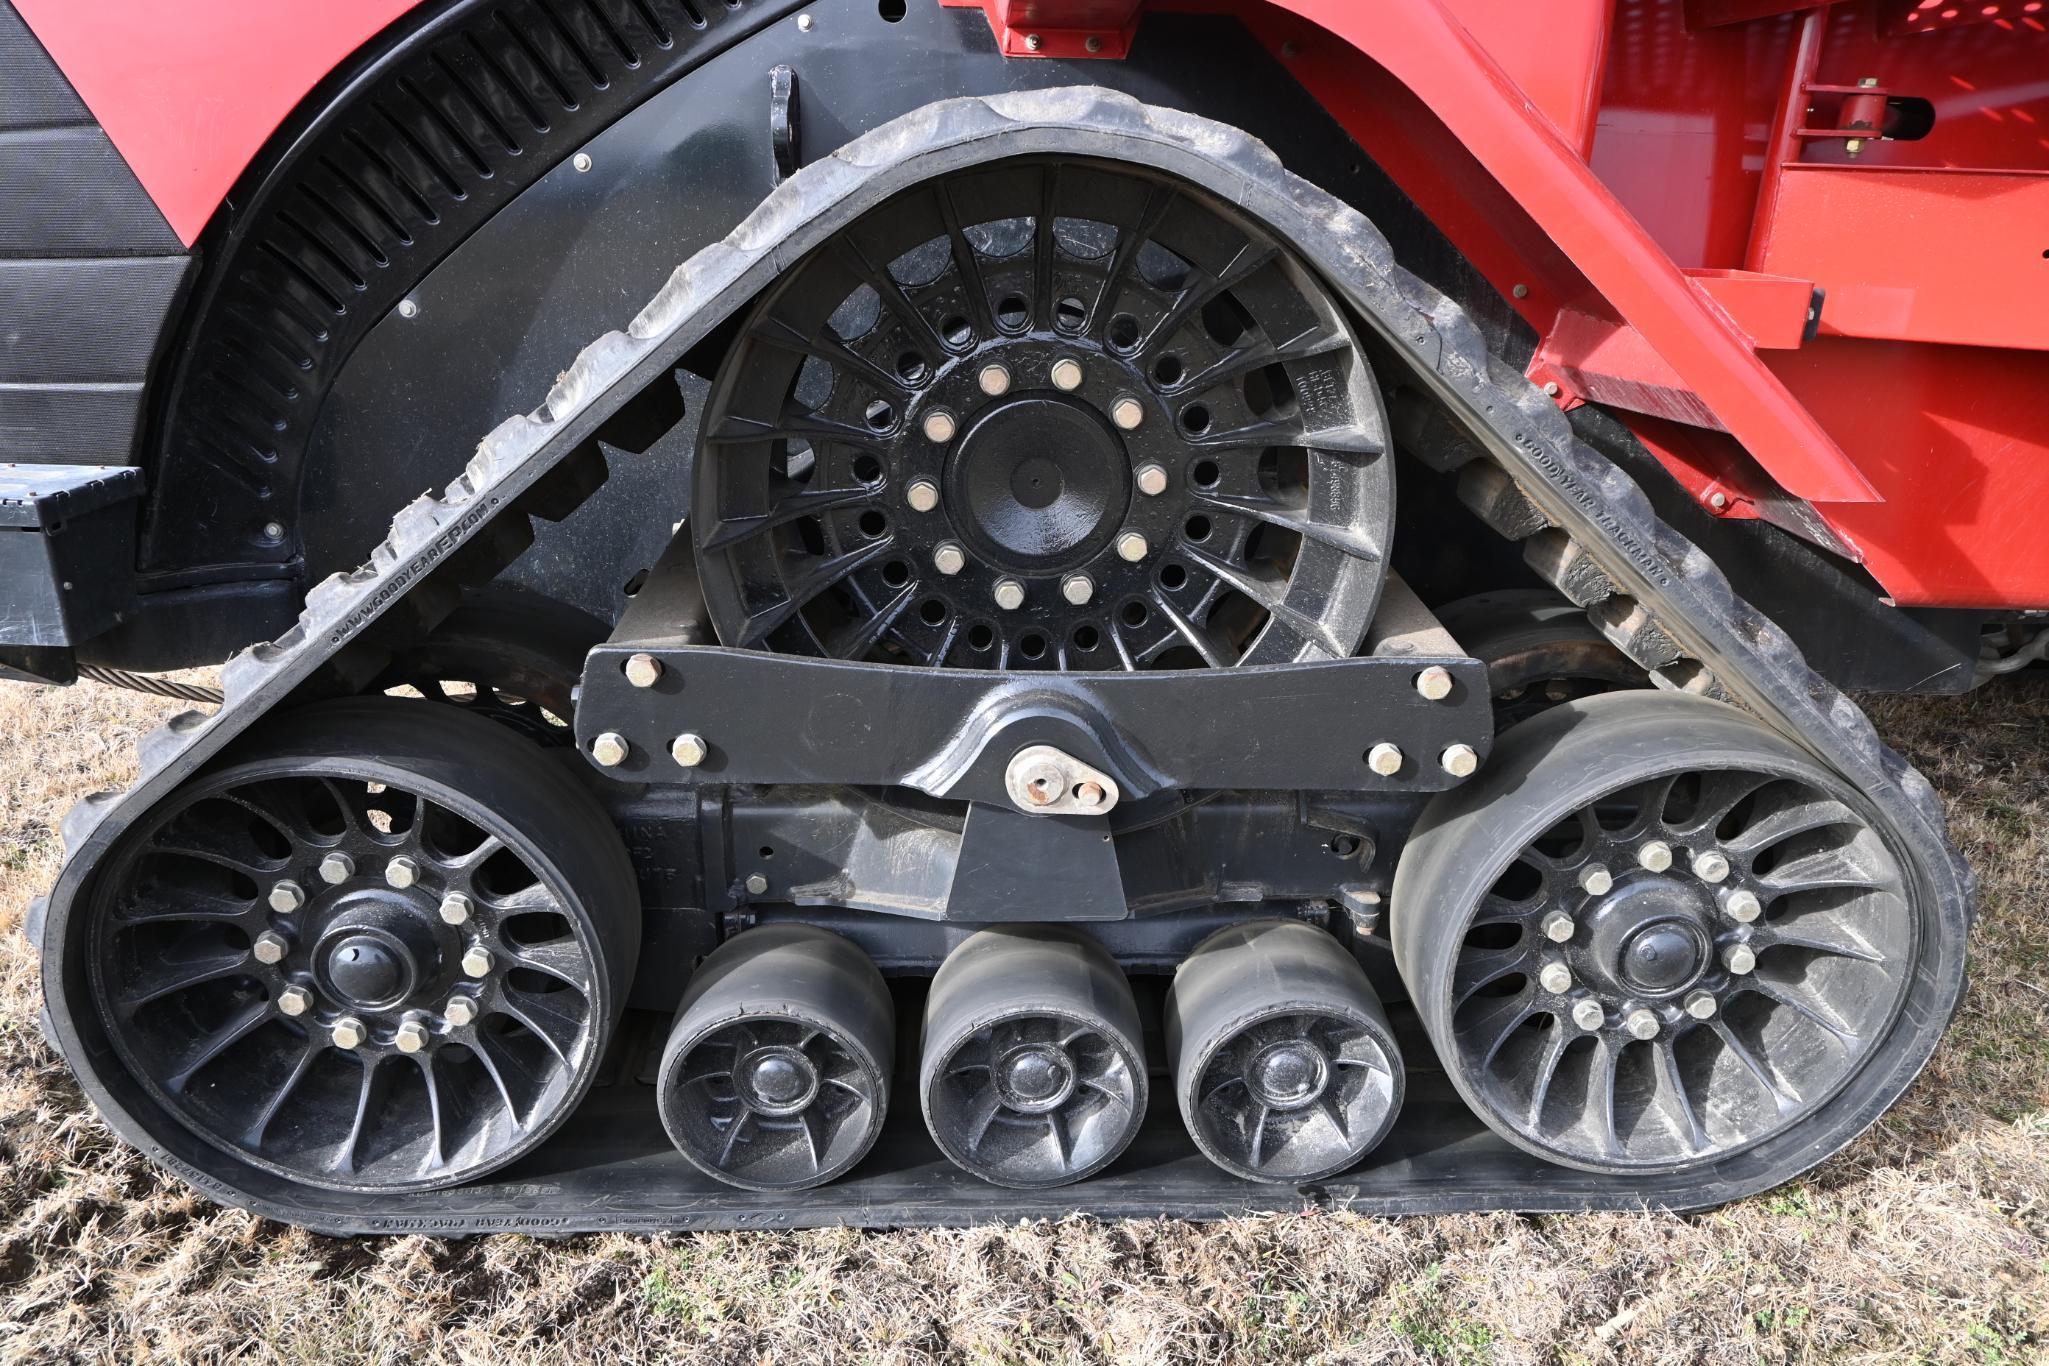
(286, 897)
(1093, 43)
(337, 868)
(1700, 1005)
(1066, 374)
(270, 948)
(581, 161)
(455, 909)
(407, 308)
(757, 884)
(1385, 759)
(1739, 958)
(1132, 546)
(402, 872)
(805, 23)
(1010, 594)
(1078, 589)
(1558, 927)
(1555, 978)
(1033, 42)
(1434, 683)
(1654, 855)
(1127, 413)
(347, 1032)
(994, 379)
(689, 750)
(922, 495)
(1711, 865)
(1641, 1023)
(1152, 480)
(1460, 761)
(411, 1036)
(294, 1001)
(643, 670)
(476, 961)
(1589, 1016)
(1596, 880)
(1089, 794)
(460, 1010)
(1557, 691)
(948, 558)
(610, 749)
(1742, 905)
(939, 426)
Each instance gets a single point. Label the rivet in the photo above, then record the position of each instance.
(1093, 43)
(581, 161)
(407, 308)
(805, 23)
(1033, 42)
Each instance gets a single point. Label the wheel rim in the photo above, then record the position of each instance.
(1294, 1096)
(378, 1051)
(976, 345)
(1035, 1099)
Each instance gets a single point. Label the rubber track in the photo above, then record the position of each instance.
(1585, 525)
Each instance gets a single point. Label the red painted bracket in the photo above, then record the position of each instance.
(1059, 28)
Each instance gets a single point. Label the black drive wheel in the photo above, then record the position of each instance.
(1539, 650)
(1283, 1061)
(509, 655)
(378, 947)
(1033, 1072)
(1653, 934)
(776, 1073)
(1046, 415)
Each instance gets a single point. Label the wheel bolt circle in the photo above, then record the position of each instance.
(347, 1032)
(294, 1001)
(1434, 683)
(1739, 958)
(1078, 589)
(1385, 759)
(1596, 880)
(1066, 374)
(610, 749)
(1742, 905)
(1589, 1015)
(411, 1036)
(1641, 1023)
(922, 495)
(1010, 594)
(994, 379)
(1711, 865)
(939, 426)
(1152, 480)
(270, 947)
(286, 897)
(337, 868)
(1127, 413)
(1654, 856)
(1555, 978)
(1132, 546)
(1558, 927)
(402, 872)
(455, 909)
(460, 1010)
(948, 558)
(476, 962)
(1701, 1005)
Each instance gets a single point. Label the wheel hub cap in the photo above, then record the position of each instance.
(1041, 483)
(1035, 1078)
(1663, 956)
(1651, 936)
(1288, 1075)
(777, 1080)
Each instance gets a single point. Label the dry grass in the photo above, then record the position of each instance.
(1928, 1239)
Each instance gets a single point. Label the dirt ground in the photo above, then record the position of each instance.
(1927, 1239)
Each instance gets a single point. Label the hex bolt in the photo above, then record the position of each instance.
(1078, 589)
(1459, 760)
(1655, 855)
(294, 1001)
(1589, 1015)
(1434, 683)
(1152, 480)
(286, 897)
(402, 872)
(1700, 1005)
(1066, 374)
(939, 426)
(337, 868)
(1739, 958)
(1385, 758)
(994, 379)
(347, 1032)
(1558, 927)
(1132, 546)
(689, 750)
(476, 961)
(1127, 413)
(610, 749)
(1711, 865)
(922, 495)
(1010, 594)
(455, 909)
(411, 1036)
(948, 558)
(643, 670)
(1555, 978)
(270, 947)
(460, 1010)
(1596, 880)
(1742, 905)
(757, 884)
(1089, 794)
(1641, 1023)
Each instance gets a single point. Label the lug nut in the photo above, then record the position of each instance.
(1555, 978)
(1066, 374)
(337, 868)
(411, 1036)
(1655, 855)
(1152, 480)
(922, 495)
(689, 750)
(1596, 880)
(1589, 1016)
(948, 558)
(1009, 594)
(455, 909)
(294, 1001)
(610, 749)
(1710, 865)
(270, 947)
(1700, 1005)
(1434, 683)
(1558, 927)
(476, 962)
(1641, 1024)
(939, 426)
(286, 897)
(1078, 589)
(1132, 546)
(1742, 905)
(757, 884)
(1739, 958)
(348, 1032)
(402, 872)
(642, 670)
(1385, 759)
(995, 380)
(1127, 413)
(1459, 760)
(460, 1010)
